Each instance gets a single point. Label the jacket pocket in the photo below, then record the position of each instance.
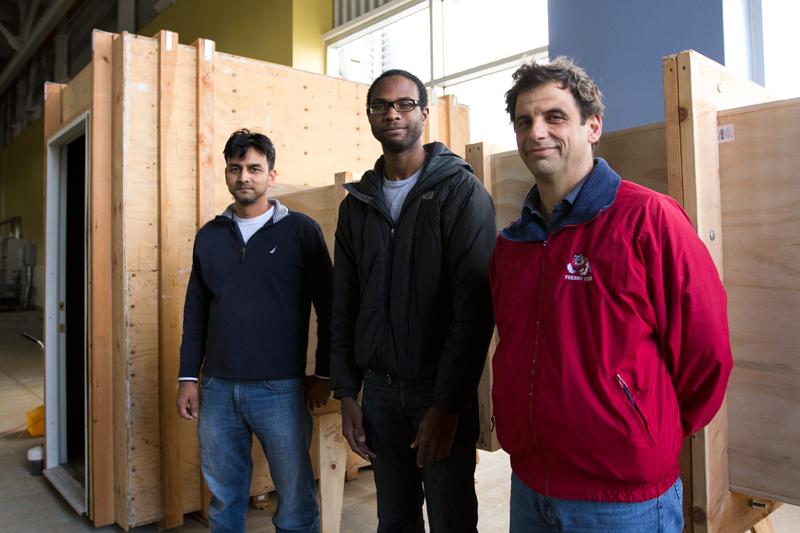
(637, 411)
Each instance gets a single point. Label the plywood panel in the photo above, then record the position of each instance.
(318, 124)
(77, 95)
(703, 87)
(760, 201)
(638, 155)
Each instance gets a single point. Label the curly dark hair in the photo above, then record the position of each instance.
(564, 71)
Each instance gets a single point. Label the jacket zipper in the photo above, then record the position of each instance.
(237, 233)
(533, 371)
(624, 386)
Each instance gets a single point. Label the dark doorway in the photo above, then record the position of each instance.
(75, 308)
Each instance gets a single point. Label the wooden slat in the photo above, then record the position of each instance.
(118, 291)
(478, 156)
(205, 166)
(101, 436)
(171, 297)
(672, 117)
(332, 466)
(206, 162)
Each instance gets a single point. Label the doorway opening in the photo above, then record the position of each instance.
(66, 311)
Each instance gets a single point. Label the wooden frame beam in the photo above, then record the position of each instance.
(695, 88)
(100, 395)
(170, 291)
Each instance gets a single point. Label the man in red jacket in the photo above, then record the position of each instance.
(612, 323)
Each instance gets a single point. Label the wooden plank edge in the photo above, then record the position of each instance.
(171, 500)
(205, 130)
(101, 435)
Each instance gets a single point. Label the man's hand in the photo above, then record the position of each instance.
(188, 402)
(435, 436)
(318, 391)
(353, 429)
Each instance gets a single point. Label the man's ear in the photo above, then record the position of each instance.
(272, 175)
(425, 110)
(595, 123)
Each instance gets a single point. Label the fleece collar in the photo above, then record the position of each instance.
(597, 194)
(281, 211)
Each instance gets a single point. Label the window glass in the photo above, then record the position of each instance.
(403, 44)
(488, 120)
(781, 47)
(475, 32)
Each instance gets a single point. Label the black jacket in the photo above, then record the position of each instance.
(412, 298)
(247, 306)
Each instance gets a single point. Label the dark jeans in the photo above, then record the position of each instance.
(393, 410)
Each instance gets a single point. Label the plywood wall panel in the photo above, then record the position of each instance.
(77, 94)
(760, 182)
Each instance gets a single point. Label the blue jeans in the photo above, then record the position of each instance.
(231, 410)
(393, 410)
(533, 513)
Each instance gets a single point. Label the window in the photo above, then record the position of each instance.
(780, 47)
(467, 48)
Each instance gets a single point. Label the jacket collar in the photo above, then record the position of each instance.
(597, 194)
(281, 212)
(440, 164)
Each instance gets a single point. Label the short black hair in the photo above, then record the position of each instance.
(242, 140)
(567, 74)
(423, 93)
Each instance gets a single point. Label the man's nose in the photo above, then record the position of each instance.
(538, 129)
(391, 114)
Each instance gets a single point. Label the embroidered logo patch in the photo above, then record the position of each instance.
(579, 269)
(428, 195)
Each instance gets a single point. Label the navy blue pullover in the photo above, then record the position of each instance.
(247, 305)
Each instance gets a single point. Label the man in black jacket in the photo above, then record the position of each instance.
(255, 272)
(412, 315)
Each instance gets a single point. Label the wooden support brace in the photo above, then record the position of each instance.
(478, 155)
(170, 291)
(695, 88)
(101, 401)
(205, 131)
(332, 466)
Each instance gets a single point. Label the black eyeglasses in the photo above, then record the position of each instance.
(403, 105)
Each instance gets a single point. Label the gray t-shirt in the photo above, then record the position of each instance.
(395, 192)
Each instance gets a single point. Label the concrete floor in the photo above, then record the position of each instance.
(30, 504)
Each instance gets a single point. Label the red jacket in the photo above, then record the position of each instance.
(613, 343)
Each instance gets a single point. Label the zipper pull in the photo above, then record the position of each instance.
(544, 243)
(244, 251)
(626, 390)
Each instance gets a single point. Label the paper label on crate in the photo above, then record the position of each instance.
(725, 133)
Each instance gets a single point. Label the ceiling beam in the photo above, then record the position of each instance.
(53, 16)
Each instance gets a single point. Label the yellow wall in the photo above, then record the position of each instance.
(22, 183)
(22, 192)
(311, 18)
(288, 32)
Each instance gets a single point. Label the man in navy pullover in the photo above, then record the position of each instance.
(256, 270)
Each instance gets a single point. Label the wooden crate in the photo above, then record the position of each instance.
(160, 113)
